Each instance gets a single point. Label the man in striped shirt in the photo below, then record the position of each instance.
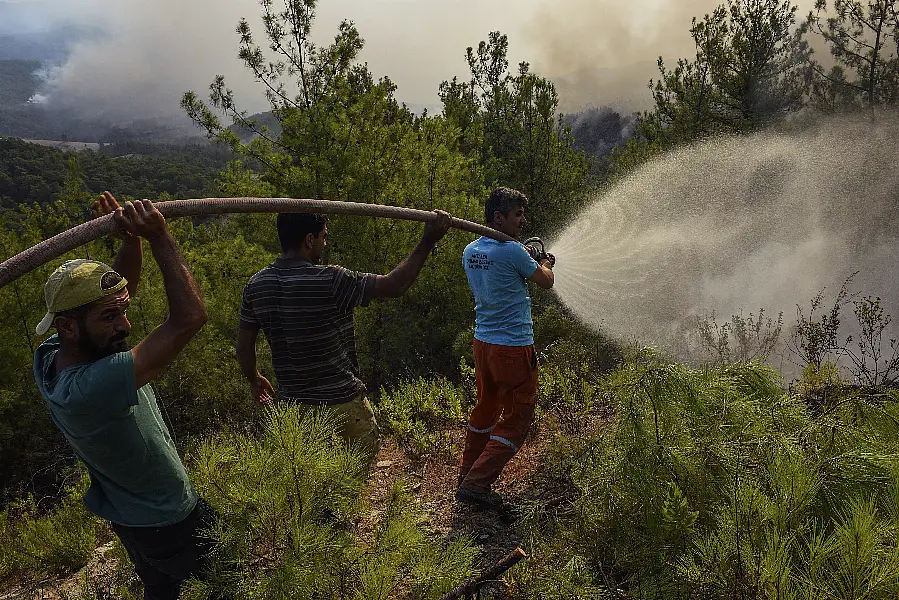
(306, 313)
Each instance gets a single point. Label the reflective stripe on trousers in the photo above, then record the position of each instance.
(503, 440)
(476, 430)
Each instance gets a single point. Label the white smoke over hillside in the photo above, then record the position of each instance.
(145, 55)
(141, 56)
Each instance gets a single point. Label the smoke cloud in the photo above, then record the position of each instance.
(133, 59)
(732, 225)
(598, 131)
(142, 55)
(603, 52)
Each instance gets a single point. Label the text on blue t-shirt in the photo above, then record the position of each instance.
(498, 273)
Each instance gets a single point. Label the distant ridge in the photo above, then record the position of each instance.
(66, 144)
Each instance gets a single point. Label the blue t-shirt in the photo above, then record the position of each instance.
(137, 478)
(498, 273)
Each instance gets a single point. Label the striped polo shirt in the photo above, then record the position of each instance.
(306, 313)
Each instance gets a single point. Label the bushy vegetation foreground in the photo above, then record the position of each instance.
(719, 484)
(666, 482)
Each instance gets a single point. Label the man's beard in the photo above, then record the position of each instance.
(322, 257)
(90, 346)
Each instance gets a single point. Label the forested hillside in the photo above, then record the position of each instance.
(30, 173)
(641, 478)
(18, 81)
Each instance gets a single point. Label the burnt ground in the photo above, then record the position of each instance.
(430, 479)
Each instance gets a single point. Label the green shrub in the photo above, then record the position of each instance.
(562, 340)
(570, 394)
(820, 385)
(287, 501)
(419, 413)
(403, 562)
(717, 484)
(60, 541)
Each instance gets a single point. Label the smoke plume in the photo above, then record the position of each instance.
(128, 59)
(603, 52)
(141, 56)
(597, 131)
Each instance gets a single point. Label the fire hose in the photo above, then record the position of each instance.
(54, 247)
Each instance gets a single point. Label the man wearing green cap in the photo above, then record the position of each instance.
(98, 392)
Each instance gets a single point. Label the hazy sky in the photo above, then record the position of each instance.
(597, 51)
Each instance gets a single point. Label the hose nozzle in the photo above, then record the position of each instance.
(537, 250)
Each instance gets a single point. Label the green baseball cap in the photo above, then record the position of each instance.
(76, 283)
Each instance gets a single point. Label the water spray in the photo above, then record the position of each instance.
(729, 225)
(56, 246)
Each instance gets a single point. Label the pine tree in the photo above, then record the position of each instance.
(863, 39)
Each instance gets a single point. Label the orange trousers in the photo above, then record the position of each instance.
(507, 394)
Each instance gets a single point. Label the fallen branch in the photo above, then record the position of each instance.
(473, 585)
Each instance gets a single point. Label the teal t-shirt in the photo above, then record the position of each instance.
(137, 478)
(498, 273)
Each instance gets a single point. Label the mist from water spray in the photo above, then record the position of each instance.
(731, 225)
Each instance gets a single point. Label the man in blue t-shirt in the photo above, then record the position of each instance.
(99, 395)
(505, 359)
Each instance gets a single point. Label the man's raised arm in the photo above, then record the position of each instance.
(187, 313)
(400, 279)
(543, 275)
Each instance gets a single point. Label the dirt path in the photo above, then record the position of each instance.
(432, 480)
(99, 574)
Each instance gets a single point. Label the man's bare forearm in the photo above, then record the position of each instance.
(186, 307)
(400, 279)
(246, 350)
(129, 262)
(246, 358)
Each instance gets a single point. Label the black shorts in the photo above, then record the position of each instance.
(164, 557)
